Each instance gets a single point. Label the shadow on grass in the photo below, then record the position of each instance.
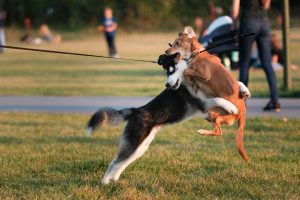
(80, 167)
(10, 140)
(32, 184)
(86, 140)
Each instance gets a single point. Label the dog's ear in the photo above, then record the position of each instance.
(189, 31)
(195, 44)
(196, 47)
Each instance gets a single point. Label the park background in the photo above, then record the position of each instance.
(147, 15)
(47, 156)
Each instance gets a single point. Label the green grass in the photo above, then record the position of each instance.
(30, 73)
(47, 156)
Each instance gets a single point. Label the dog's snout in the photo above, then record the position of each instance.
(168, 85)
(161, 59)
(168, 51)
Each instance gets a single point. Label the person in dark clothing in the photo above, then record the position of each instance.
(254, 19)
(108, 25)
(2, 33)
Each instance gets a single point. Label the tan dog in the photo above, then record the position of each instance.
(206, 73)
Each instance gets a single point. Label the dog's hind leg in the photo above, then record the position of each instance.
(217, 130)
(132, 146)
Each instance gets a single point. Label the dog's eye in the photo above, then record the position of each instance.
(171, 69)
(177, 43)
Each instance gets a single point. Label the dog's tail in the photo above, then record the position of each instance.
(108, 116)
(239, 137)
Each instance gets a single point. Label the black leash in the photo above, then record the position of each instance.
(107, 57)
(71, 53)
(234, 39)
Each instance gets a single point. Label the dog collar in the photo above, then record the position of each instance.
(195, 52)
(188, 60)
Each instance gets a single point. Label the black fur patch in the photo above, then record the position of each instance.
(168, 63)
(108, 116)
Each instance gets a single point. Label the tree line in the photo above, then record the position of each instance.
(131, 14)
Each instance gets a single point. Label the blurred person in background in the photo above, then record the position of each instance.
(198, 22)
(2, 34)
(47, 36)
(108, 25)
(254, 19)
(277, 55)
(27, 36)
(27, 24)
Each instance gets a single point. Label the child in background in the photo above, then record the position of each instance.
(108, 26)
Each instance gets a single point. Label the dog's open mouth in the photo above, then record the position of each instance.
(176, 86)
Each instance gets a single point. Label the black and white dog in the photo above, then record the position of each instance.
(170, 106)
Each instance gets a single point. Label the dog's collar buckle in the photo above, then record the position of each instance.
(188, 60)
(195, 52)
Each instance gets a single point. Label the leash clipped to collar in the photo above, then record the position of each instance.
(71, 53)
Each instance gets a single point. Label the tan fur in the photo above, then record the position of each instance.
(207, 73)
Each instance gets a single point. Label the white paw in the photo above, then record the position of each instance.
(246, 94)
(106, 181)
(89, 131)
(226, 105)
(231, 109)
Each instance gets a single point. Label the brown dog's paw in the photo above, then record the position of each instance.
(201, 131)
(206, 132)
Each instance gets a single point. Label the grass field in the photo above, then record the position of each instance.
(47, 156)
(31, 73)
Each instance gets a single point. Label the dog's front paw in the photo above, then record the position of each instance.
(244, 91)
(106, 181)
(233, 110)
(246, 94)
(229, 107)
(89, 132)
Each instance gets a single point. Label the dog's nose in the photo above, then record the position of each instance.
(168, 85)
(161, 59)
